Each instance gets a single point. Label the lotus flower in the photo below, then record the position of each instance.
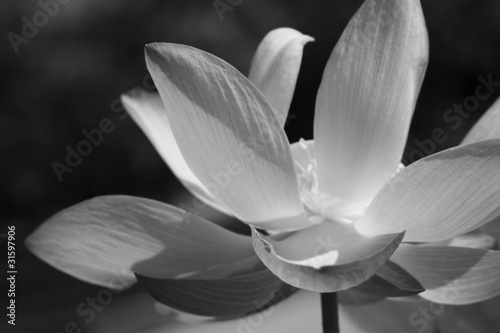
(326, 215)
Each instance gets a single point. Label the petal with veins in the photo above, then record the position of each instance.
(440, 196)
(275, 67)
(366, 99)
(228, 135)
(106, 240)
(452, 275)
(149, 113)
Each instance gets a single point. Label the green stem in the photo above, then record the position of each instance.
(330, 313)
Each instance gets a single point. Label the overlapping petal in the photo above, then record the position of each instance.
(366, 99)
(452, 275)
(148, 111)
(439, 197)
(228, 135)
(389, 281)
(487, 128)
(309, 259)
(275, 67)
(106, 240)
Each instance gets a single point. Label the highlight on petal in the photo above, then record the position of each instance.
(314, 266)
(487, 127)
(148, 111)
(232, 296)
(275, 67)
(228, 135)
(452, 275)
(440, 196)
(475, 240)
(105, 240)
(366, 100)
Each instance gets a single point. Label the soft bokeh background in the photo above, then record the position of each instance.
(68, 77)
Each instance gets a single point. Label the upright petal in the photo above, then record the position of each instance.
(366, 99)
(440, 196)
(452, 275)
(149, 113)
(487, 127)
(275, 67)
(106, 240)
(228, 135)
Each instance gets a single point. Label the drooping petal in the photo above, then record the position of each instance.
(389, 281)
(452, 275)
(439, 197)
(232, 296)
(148, 111)
(106, 240)
(275, 67)
(228, 135)
(366, 100)
(487, 128)
(319, 271)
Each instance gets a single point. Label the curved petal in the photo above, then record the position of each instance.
(325, 244)
(229, 135)
(452, 275)
(440, 196)
(327, 278)
(275, 67)
(366, 100)
(487, 127)
(106, 240)
(149, 113)
(232, 296)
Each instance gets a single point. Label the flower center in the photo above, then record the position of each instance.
(319, 205)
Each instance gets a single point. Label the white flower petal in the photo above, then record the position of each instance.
(487, 128)
(313, 261)
(367, 97)
(275, 67)
(440, 196)
(148, 111)
(106, 240)
(228, 135)
(452, 275)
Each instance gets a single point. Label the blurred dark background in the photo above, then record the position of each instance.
(67, 77)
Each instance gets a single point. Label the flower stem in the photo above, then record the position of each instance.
(329, 312)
